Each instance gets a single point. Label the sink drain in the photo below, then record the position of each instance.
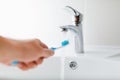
(73, 65)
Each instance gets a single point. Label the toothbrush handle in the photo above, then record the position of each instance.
(14, 62)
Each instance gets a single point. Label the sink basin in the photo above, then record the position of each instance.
(91, 69)
(97, 63)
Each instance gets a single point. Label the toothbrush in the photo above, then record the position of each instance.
(63, 44)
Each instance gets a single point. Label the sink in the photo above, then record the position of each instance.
(91, 69)
(97, 63)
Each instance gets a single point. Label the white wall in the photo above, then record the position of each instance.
(102, 22)
(23, 19)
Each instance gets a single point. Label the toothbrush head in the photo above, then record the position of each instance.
(65, 43)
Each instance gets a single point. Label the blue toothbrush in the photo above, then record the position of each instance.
(63, 43)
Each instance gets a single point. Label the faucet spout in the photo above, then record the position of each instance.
(78, 38)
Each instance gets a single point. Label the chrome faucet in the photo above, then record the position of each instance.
(76, 28)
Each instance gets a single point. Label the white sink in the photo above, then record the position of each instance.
(91, 69)
(97, 63)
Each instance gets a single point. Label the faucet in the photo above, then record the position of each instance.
(76, 29)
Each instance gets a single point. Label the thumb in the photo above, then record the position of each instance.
(47, 53)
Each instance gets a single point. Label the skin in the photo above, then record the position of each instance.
(29, 53)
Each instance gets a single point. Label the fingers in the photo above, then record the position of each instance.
(43, 45)
(39, 61)
(47, 53)
(40, 43)
(23, 66)
(33, 64)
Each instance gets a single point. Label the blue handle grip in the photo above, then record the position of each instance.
(14, 62)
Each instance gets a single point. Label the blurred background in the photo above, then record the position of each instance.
(26, 19)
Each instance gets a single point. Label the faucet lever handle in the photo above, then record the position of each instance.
(78, 16)
(75, 12)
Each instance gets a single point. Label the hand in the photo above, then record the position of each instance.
(29, 53)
